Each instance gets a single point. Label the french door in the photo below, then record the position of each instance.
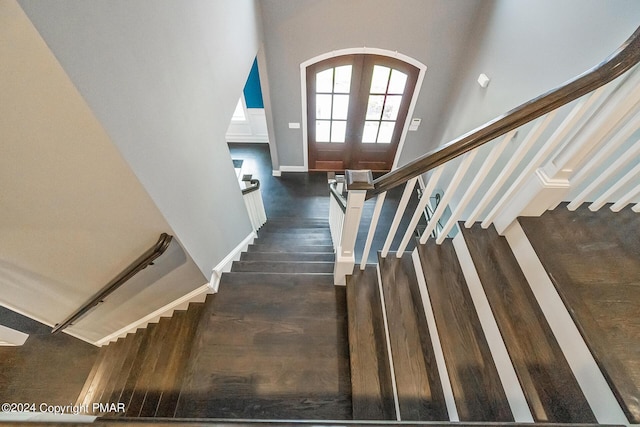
(356, 109)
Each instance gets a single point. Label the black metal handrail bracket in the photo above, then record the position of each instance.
(135, 267)
(618, 63)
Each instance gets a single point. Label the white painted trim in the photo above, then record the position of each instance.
(46, 417)
(603, 403)
(402, 206)
(294, 168)
(514, 161)
(506, 372)
(44, 322)
(11, 337)
(359, 51)
(449, 398)
(387, 336)
(249, 139)
(164, 311)
(422, 204)
(373, 225)
(225, 265)
(276, 172)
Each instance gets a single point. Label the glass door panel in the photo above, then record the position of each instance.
(357, 107)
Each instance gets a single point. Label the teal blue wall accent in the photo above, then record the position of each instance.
(252, 89)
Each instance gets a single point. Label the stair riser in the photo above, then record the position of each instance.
(286, 248)
(282, 267)
(297, 241)
(283, 257)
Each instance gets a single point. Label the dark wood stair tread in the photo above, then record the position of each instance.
(476, 386)
(549, 385)
(371, 386)
(420, 395)
(270, 346)
(592, 259)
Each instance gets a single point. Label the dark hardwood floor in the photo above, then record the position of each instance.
(296, 194)
(593, 259)
(47, 368)
(273, 345)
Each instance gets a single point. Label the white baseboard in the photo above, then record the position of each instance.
(276, 172)
(247, 139)
(225, 265)
(603, 403)
(293, 169)
(165, 311)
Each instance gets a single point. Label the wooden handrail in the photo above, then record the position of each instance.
(342, 202)
(139, 264)
(255, 185)
(612, 67)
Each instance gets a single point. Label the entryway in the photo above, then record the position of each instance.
(357, 106)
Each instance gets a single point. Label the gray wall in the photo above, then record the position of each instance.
(532, 46)
(163, 79)
(435, 32)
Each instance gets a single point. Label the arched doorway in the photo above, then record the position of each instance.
(356, 110)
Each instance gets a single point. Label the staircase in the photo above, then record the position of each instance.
(144, 371)
(271, 344)
(469, 340)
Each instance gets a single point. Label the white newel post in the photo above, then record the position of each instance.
(357, 183)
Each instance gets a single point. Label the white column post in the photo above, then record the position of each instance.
(357, 182)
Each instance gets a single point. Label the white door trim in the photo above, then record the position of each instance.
(355, 51)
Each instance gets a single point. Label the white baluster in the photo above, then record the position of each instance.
(620, 136)
(453, 186)
(626, 199)
(600, 201)
(567, 125)
(532, 136)
(514, 161)
(372, 229)
(404, 200)
(611, 170)
(426, 194)
(487, 164)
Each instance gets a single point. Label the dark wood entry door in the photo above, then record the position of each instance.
(357, 106)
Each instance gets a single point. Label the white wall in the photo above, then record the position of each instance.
(434, 32)
(72, 213)
(163, 79)
(531, 46)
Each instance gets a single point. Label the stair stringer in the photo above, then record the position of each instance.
(596, 390)
(197, 295)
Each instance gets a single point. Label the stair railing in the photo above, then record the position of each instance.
(142, 262)
(614, 104)
(252, 196)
